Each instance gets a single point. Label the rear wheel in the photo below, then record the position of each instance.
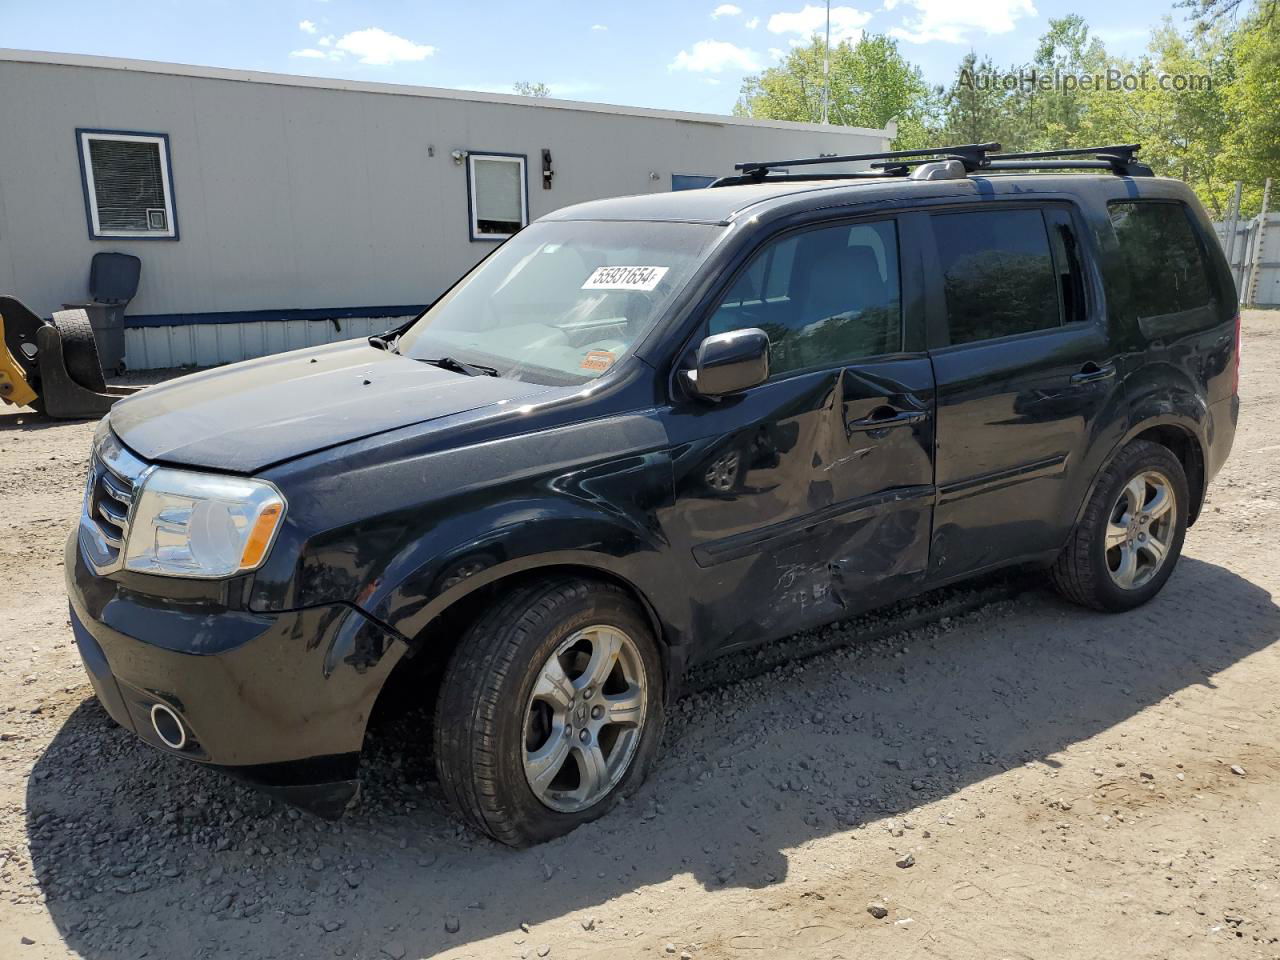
(1130, 537)
(550, 710)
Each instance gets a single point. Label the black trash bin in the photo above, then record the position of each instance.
(113, 282)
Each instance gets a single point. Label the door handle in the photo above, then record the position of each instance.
(1093, 372)
(884, 419)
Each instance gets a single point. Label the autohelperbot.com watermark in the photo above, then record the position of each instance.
(1112, 80)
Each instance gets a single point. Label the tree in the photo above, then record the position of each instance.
(1207, 14)
(1251, 143)
(527, 89)
(871, 85)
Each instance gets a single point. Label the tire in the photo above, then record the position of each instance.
(1094, 568)
(80, 349)
(492, 731)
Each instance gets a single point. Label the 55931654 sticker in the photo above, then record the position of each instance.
(624, 278)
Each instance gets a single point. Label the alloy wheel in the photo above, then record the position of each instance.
(1140, 530)
(584, 718)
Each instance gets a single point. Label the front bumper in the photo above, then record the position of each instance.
(280, 700)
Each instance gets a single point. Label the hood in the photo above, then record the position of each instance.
(250, 415)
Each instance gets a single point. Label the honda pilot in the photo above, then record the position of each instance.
(643, 432)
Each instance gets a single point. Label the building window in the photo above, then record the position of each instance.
(128, 187)
(498, 194)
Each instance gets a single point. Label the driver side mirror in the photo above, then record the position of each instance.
(728, 363)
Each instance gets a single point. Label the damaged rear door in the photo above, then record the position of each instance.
(810, 497)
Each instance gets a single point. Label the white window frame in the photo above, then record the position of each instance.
(90, 191)
(473, 221)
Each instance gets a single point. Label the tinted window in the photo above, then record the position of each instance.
(1162, 257)
(824, 297)
(998, 273)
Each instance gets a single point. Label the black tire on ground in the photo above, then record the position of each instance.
(484, 697)
(80, 349)
(1081, 572)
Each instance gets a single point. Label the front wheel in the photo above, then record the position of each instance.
(1128, 541)
(550, 710)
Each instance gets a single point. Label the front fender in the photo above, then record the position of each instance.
(440, 569)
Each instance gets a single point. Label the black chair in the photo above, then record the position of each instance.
(113, 282)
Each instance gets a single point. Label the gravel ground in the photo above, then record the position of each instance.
(987, 773)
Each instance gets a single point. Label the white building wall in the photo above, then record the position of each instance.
(297, 193)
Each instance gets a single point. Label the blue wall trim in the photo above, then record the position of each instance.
(253, 316)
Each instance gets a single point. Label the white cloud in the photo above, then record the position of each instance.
(776, 53)
(752, 23)
(306, 26)
(951, 22)
(726, 10)
(715, 56)
(374, 45)
(599, 27)
(309, 54)
(325, 41)
(846, 22)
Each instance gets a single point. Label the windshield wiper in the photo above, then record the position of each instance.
(460, 366)
(386, 341)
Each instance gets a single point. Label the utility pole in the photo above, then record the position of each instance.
(826, 69)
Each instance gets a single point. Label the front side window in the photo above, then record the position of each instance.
(998, 273)
(126, 184)
(824, 297)
(499, 202)
(563, 301)
(1162, 257)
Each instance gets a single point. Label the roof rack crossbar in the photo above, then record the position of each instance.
(1127, 149)
(972, 155)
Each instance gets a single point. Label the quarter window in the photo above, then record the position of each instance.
(997, 272)
(824, 297)
(498, 197)
(127, 185)
(1162, 257)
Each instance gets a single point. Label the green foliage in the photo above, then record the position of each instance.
(527, 89)
(871, 85)
(1204, 102)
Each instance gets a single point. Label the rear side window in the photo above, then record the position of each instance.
(825, 297)
(998, 273)
(1162, 257)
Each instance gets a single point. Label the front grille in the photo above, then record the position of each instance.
(114, 475)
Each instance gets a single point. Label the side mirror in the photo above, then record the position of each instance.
(729, 363)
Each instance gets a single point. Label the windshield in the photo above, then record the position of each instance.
(562, 301)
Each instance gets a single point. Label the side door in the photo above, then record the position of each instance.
(1026, 377)
(810, 496)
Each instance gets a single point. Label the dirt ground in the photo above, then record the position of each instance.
(1017, 779)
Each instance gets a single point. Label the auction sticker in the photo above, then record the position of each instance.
(597, 360)
(624, 278)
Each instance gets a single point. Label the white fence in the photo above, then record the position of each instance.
(1246, 256)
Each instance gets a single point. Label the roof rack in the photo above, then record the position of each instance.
(970, 154)
(974, 157)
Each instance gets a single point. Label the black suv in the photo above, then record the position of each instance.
(646, 431)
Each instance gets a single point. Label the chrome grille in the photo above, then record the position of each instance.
(114, 475)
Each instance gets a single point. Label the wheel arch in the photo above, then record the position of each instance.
(416, 678)
(1181, 436)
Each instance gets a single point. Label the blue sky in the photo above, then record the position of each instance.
(677, 54)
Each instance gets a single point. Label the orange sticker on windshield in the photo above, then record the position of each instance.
(597, 360)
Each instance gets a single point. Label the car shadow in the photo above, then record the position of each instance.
(141, 854)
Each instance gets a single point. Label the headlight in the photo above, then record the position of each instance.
(188, 524)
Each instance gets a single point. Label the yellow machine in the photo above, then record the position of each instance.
(52, 365)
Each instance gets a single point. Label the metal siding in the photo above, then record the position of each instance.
(295, 196)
